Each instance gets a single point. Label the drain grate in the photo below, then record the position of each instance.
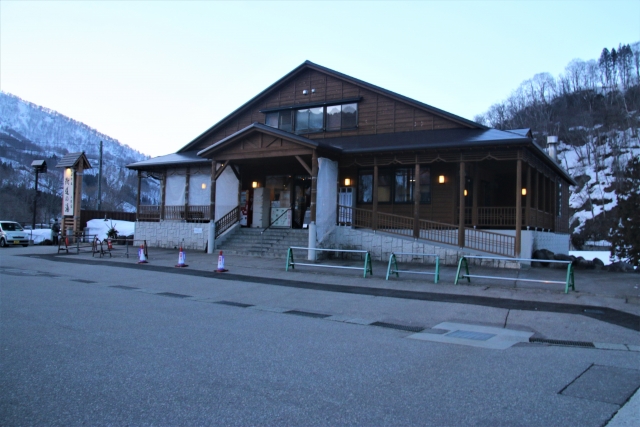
(129, 288)
(562, 342)
(234, 304)
(398, 327)
(307, 314)
(83, 281)
(470, 335)
(172, 295)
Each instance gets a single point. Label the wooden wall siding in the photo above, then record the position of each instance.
(376, 113)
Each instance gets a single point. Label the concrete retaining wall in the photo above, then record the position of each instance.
(380, 246)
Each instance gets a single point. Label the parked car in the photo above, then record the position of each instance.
(12, 233)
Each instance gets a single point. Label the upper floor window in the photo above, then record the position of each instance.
(315, 119)
(342, 116)
(309, 120)
(280, 119)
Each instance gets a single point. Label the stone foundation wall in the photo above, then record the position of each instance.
(381, 245)
(172, 234)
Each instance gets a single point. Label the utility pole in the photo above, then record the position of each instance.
(100, 179)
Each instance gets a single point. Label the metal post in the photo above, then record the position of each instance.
(35, 201)
(100, 180)
(461, 211)
(518, 207)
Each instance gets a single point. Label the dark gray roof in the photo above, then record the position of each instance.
(426, 139)
(70, 160)
(311, 65)
(259, 127)
(176, 159)
(443, 139)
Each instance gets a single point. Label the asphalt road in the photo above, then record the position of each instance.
(105, 345)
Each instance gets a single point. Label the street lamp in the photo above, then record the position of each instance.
(39, 166)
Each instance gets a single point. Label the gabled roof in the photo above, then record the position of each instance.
(71, 160)
(310, 65)
(262, 128)
(175, 160)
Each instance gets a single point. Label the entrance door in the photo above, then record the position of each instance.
(301, 201)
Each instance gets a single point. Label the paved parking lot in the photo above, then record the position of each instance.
(98, 341)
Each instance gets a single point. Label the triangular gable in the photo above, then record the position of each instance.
(258, 140)
(307, 65)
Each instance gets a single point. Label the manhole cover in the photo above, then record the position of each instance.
(470, 335)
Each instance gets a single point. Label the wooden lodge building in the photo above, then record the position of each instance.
(324, 152)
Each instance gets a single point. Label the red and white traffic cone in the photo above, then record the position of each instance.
(181, 259)
(141, 256)
(221, 268)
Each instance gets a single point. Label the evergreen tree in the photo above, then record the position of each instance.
(626, 237)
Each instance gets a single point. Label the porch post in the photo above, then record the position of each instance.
(77, 202)
(461, 210)
(212, 210)
(518, 207)
(314, 186)
(186, 195)
(138, 198)
(475, 194)
(164, 194)
(374, 198)
(528, 198)
(416, 203)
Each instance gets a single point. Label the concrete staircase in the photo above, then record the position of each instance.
(273, 243)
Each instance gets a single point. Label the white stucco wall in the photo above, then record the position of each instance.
(326, 197)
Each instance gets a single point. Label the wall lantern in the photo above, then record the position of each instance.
(254, 184)
(347, 182)
(466, 192)
(524, 191)
(204, 186)
(441, 179)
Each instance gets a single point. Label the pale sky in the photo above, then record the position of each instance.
(156, 74)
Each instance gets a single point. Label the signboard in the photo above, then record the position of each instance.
(67, 193)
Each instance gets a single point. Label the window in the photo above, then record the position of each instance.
(310, 120)
(280, 120)
(395, 185)
(342, 116)
(307, 120)
(404, 185)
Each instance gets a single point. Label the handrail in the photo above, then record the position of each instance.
(274, 221)
(226, 221)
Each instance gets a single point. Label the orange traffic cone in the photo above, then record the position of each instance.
(181, 259)
(141, 256)
(221, 268)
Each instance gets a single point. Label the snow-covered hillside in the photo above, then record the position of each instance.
(595, 166)
(29, 131)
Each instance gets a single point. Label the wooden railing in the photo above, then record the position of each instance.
(149, 213)
(439, 232)
(194, 213)
(224, 223)
(506, 217)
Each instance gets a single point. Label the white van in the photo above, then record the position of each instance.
(12, 233)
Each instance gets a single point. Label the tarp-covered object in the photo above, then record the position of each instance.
(100, 227)
(326, 199)
(226, 192)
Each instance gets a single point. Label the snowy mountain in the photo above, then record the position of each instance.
(29, 131)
